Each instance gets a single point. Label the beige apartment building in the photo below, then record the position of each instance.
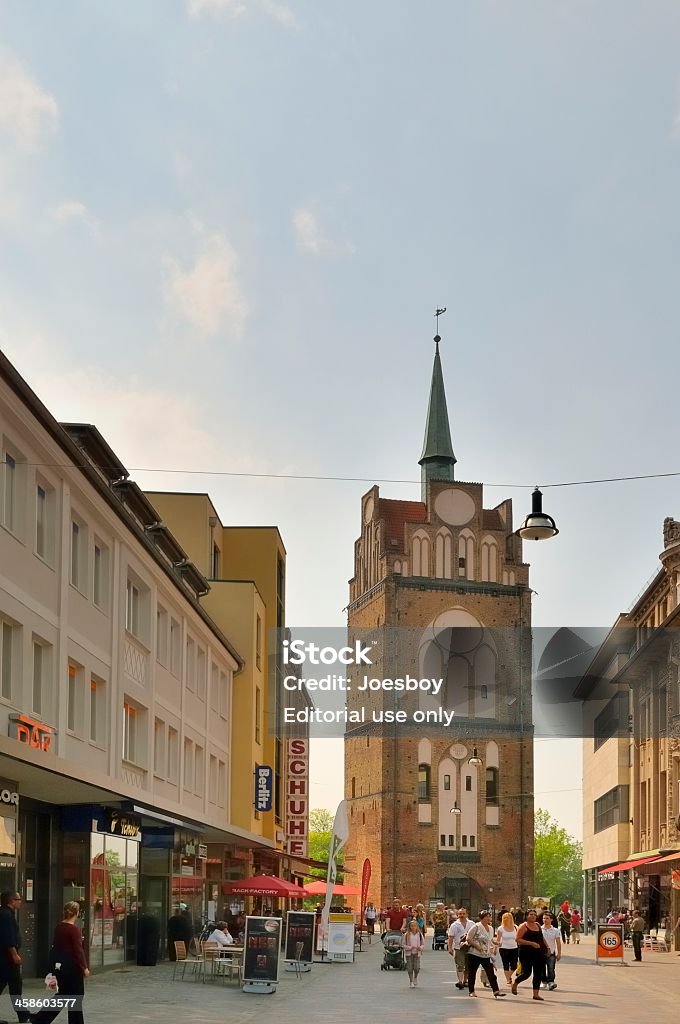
(117, 693)
(631, 759)
(246, 569)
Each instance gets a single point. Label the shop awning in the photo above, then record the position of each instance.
(264, 885)
(670, 856)
(626, 865)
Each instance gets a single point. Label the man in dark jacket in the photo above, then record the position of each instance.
(10, 945)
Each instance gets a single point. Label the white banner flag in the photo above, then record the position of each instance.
(338, 840)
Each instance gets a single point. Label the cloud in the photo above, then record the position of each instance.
(27, 112)
(312, 236)
(70, 209)
(207, 294)
(232, 7)
(280, 12)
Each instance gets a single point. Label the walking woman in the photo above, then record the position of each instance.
(483, 947)
(506, 937)
(413, 948)
(70, 966)
(532, 954)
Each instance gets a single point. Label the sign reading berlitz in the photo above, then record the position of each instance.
(297, 797)
(264, 787)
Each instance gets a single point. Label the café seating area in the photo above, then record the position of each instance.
(210, 962)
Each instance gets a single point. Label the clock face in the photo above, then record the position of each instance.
(454, 507)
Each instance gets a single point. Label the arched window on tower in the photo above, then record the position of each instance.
(421, 554)
(424, 783)
(443, 555)
(489, 560)
(466, 555)
(492, 786)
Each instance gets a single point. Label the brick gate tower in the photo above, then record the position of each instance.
(445, 812)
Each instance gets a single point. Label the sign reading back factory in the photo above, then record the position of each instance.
(297, 797)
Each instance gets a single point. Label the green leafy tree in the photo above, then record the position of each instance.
(557, 860)
(319, 844)
(320, 820)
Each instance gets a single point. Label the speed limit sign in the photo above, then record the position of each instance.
(610, 942)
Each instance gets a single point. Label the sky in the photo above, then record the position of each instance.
(225, 226)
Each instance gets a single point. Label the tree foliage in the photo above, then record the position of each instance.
(320, 820)
(557, 860)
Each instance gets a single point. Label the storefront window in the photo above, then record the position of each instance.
(113, 897)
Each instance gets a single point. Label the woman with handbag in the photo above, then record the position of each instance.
(483, 946)
(69, 966)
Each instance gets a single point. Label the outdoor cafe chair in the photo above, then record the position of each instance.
(182, 958)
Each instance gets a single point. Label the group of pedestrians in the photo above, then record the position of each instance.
(529, 950)
(68, 963)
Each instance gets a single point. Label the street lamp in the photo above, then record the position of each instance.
(538, 525)
(455, 809)
(475, 759)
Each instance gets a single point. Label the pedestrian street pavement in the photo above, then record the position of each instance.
(343, 993)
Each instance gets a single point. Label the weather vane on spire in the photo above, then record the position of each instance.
(438, 313)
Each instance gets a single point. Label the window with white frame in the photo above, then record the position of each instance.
(212, 779)
(258, 715)
(221, 783)
(199, 770)
(100, 575)
(175, 648)
(11, 476)
(131, 733)
(74, 698)
(224, 694)
(97, 711)
(162, 621)
(173, 754)
(258, 642)
(214, 686)
(201, 670)
(133, 608)
(160, 757)
(10, 649)
(137, 603)
(44, 521)
(188, 765)
(191, 664)
(42, 663)
(78, 564)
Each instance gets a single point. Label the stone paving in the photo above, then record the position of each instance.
(340, 993)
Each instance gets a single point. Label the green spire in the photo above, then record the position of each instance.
(437, 460)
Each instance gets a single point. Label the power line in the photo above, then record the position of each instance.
(354, 479)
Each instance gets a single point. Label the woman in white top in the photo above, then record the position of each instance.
(413, 948)
(506, 937)
(483, 948)
(220, 934)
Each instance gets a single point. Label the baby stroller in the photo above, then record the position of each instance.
(393, 943)
(439, 937)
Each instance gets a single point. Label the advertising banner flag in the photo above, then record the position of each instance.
(675, 879)
(365, 881)
(338, 840)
